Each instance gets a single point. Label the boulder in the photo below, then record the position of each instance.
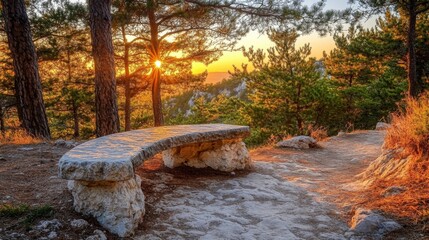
(382, 126)
(373, 224)
(298, 142)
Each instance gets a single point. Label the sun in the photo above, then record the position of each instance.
(157, 63)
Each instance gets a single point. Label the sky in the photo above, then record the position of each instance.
(318, 44)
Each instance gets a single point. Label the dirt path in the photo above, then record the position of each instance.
(289, 194)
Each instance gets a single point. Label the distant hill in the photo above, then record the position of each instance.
(228, 87)
(216, 77)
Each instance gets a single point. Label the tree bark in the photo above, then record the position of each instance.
(156, 80)
(414, 85)
(107, 118)
(28, 88)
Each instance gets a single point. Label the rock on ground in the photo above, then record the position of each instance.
(298, 142)
(98, 235)
(370, 223)
(49, 225)
(393, 190)
(382, 126)
(386, 167)
(79, 223)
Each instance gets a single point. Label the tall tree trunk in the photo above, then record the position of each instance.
(156, 80)
(28, 89)
(414, 86)
(127, 107)
(156, 99)
(107, 118)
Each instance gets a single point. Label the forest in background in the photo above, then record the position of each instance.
(354, 86)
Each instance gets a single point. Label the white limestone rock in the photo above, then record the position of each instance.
(298, 142)
(117, 206)
(341, 133)
(79, 223)
(49, 225)
(223, 155)
(98, 235)
(382, 126)
(370, 223)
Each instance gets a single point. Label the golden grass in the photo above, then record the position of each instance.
(18, 136)
(409, 134)
(319, 133)
(410, 128)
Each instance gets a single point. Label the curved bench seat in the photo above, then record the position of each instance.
(114, 157)
(101, 171)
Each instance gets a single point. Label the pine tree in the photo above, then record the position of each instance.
(107, 119)
(28, 89)
(412, 9)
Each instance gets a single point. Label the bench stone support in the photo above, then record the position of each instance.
(118, 206)
(224, 155)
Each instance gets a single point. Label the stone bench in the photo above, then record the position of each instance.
(102, 171)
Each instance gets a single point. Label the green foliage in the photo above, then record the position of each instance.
(29, 214)
(287, 92)
(365, 67)
(65, 67)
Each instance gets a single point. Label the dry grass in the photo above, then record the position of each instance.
(409, 134)
(318, 133)
(18, 136)
(410, 128)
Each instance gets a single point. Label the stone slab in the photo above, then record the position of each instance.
(114, 157)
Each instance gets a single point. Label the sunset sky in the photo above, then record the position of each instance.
(318, 44)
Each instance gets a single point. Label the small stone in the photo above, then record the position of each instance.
(368, 222)
(70, 144)
(98, 235)
(79, 223)
(298, 142)
(25, 148)
(60, 142)
(47, 226)
(341, 133)
(16, 236)
(2, 159)
(382, 126)
(393, 190)
(52, 235)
